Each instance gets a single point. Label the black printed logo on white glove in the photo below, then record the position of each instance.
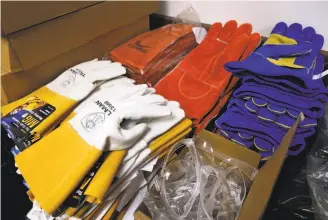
(93, 120)
(70, 79)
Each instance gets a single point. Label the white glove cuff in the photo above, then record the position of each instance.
(140, 145)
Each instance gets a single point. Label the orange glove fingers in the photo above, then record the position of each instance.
(253, 43)
(218, 76)
(228, 30)
(245, 28)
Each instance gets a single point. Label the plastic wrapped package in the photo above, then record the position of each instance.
(199, 184)
(188, 16)
(317, 169)
(151, 55)
(301, 191)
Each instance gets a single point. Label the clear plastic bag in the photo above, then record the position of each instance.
(199, 184)
(188, 16)
(301, 191)
(317, 170)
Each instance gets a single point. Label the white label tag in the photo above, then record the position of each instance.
(36, 213)
(199, 33)
(150, 166)
(319, 76)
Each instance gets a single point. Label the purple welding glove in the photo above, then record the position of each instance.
(265, 115)
(278, 110)
(297, 146)
(235, 137)
(311, 108)
(262, 144)
(287, 86)
(243, 104)
(238, 122)
(296, 98)
(265, 139)
(305, 128)
(306, 51)
(287, 122)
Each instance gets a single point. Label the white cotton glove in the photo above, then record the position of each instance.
(157, 127)
(99, 123)
(78, 81)
(117, 91)
(115, 81)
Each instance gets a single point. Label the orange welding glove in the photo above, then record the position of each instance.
(141, 53)
(253, 43)
(198, 81)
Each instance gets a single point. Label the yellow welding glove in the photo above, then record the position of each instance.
(28, 119)
(281, 34)
(55, 165)
(106, 173)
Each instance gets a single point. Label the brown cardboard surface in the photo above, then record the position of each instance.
(17, 85)
(18, 15)
(9, 60)
(4, 97)
(138, 215)
(36, 45)
(262, 186)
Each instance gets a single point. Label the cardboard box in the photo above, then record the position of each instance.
(9, 59)
(260, 191)
(19, 84)
(262, 186)
(18, 15)
(40, 43)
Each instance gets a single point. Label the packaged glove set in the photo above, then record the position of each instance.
(151, 55)
(108, 135)
(279, 81)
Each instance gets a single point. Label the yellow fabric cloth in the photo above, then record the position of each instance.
(112, 209)
(106, 173)
(104, 176)
(62, 104)
(70, 211)
(123, 212)
(69, 117)
(54, 166)
(286, 61)
(170, 135)
(82, 210)
(161, 151)
(30, 195)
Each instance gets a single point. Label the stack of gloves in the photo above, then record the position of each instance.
(118, 168)
(199, 82)
(280, 80)
(74, 135)
(150, 55)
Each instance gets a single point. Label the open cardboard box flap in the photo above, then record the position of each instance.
(18, 15)
(40, 43)
(19, 84)
(262, 186)
(260, 191)
(9, 59)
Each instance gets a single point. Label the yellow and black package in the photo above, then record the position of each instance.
(20, 122)
(77, 198)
